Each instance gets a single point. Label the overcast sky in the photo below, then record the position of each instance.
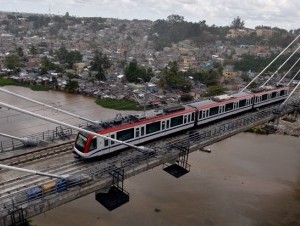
(280, 13)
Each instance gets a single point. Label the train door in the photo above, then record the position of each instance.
(112, 135)
(221, 109)
(168, 124)
(137, 132)
(235, 105)
(163, 125)
(204, 114)
(247, 102)
(142, 131)
(185, 119)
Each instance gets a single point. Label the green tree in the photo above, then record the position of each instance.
(12, 62)
(101, 64)
(173, 79)
(214, 91)
(20, 52)
(33, 50)
(175, 18)
(68, 57)
(237, 23)
(72, 86)
(133, 72)
(46, 65)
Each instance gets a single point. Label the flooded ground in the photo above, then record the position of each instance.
(246, 180)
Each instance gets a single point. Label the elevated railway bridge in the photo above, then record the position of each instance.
(25, 196)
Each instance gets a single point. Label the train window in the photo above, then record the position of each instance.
(142, 131)
(273, 95)
(213, 111)
(93, 144)
(193, 116)
(189, 118)
(152, 127)
(256, 99)
(242, 103)
(125, 134)
(264, 97)
(176, 121)
(200, 115)
(105, 142)
(185, 119)
(229, 107)
(112, 136)
(168, 123)
(163, 125)
(283, 92)
(80, 142)
(137, 132)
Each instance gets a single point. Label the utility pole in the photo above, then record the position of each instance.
(146, 93)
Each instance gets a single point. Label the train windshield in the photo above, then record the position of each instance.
(80, 142)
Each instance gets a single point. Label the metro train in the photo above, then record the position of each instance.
(153, 124)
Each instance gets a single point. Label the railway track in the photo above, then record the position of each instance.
(74, 167)
(39, 154)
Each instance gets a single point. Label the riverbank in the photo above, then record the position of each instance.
(287, 125)
(9, 82)
(106, 103)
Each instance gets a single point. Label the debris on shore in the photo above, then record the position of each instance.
(285, 126)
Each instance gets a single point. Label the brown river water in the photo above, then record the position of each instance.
(247, 179)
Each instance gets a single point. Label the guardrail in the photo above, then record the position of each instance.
(59, 133)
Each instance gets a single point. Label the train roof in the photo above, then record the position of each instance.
(220, 99)
(174, 110)
(120, 120)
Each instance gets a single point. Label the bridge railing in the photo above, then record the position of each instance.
(31, 194)
(59, 133)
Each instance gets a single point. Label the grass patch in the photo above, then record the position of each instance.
(9, 82)
(118, 104)
(37, 88)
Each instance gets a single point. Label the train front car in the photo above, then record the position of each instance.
(82, 145)
(134, 130)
